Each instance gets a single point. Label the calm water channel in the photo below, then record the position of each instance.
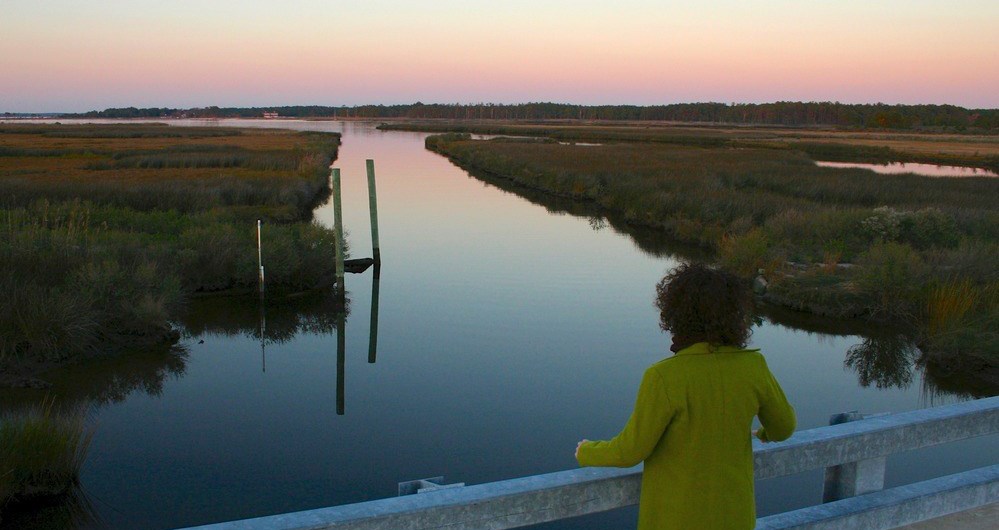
(508, 329)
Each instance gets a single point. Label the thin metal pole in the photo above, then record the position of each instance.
(260, 257)
(338, 221)
(373, 207)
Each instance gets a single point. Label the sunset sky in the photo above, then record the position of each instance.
(62, 55)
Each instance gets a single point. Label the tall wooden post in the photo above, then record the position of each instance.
(338, 221)
(373, 207)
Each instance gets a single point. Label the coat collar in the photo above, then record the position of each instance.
(699, 348)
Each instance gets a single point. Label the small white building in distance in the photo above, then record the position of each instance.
(270, 115)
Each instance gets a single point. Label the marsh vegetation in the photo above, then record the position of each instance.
(870, 146)
(839, 242)
(106, 230)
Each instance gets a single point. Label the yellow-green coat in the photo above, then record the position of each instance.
(692, 426)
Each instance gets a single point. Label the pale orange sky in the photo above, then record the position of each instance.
(76, 56)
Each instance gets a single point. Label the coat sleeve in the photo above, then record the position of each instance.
(640, 435)
(776, 414)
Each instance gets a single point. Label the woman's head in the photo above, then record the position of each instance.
(699, 304)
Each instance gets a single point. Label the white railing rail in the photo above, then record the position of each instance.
(851, 452)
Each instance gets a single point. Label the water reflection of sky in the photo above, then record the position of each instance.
(929, 170)
(506, 333)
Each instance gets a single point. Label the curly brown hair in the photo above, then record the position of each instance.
(699, 304)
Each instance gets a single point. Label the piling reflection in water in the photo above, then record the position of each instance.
(280, 320)
(341, 358)
(341, 341)
(274, 321)
(373, 326)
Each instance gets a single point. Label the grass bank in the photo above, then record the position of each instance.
(41, 452)
(841, 242)
(105, 231)
(981, 151)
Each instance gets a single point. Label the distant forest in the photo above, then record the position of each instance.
(881, 116)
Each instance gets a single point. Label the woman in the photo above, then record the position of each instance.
(694, 411)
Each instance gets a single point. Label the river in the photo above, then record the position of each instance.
(507, 329)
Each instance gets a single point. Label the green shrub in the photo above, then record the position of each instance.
(747, 254)
(892, 274)
(884, 225)
(927, 228)
(921, 229)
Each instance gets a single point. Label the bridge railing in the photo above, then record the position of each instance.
(852, 453)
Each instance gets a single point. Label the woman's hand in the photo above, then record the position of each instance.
(577, 447)
(756, 434)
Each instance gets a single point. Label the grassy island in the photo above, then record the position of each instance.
(106, 229)
(915, 250)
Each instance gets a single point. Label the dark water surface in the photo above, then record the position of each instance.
(508, 329)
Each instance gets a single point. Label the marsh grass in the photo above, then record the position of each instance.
(117, 131)
(871, 245)
(948, 304)
(102, 260)
(42, 449)
(818, 143)
(286, 171)
(700, 195)
(966, 322)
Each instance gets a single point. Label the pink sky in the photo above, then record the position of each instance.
(74, 56)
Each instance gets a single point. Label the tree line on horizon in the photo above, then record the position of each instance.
(784, 113)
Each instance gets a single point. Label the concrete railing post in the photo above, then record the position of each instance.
(853, 478)
(426, 485)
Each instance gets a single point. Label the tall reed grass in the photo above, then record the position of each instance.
(42, 449)
(948, 304)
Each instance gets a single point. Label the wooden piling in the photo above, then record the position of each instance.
(373, 207)
(338, 222)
